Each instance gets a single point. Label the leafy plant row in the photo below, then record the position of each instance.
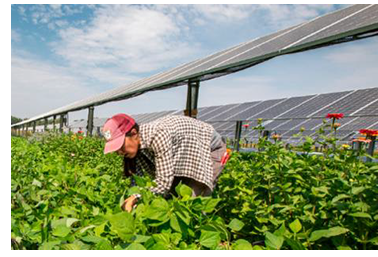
(66, 195)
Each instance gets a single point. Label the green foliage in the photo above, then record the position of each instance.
(328, 201)
(66, 194)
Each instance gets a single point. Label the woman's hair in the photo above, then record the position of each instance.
(129, 165)
(136, 127)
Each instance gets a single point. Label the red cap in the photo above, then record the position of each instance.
(114, 131)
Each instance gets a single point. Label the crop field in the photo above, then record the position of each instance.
(66, 194)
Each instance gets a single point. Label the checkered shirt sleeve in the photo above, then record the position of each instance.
(164, 174)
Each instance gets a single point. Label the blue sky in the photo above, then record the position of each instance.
(64, 53)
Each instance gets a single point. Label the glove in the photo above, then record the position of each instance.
(130, 202)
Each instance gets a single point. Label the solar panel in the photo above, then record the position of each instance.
(216, 111)
(366, 16)
(255, 110)
(206, 110)
(283, 107)
(232, 111)
(314, 104)
(332, 28)
(350, 103)
(360, 123)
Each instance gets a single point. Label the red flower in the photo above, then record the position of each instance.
(80, 132)
(335, 116)
(246, 125)
(369, 132)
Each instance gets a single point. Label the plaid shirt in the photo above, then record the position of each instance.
(175, 146)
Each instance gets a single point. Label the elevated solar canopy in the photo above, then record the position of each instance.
(282, 116)
(352, 23)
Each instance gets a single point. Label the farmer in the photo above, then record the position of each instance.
(172, 149)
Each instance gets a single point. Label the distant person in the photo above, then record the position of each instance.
(172, 149)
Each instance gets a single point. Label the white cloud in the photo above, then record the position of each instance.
(283, 16)
(224, 13)
(136, 39)
(38, 86)
(16, 36)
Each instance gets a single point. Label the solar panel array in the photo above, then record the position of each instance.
(348, 24)
(283, 116)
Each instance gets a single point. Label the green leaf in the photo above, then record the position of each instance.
(281, 230)
(242, 244)
(104, 245)
(209, 239)
(175, 223)
(182, 212)
(335, 231)
(357, 190)
(135, 246)
(340, 197)
(183, 190)
(159, 246)
(71, 247)
(273, 241)
(91, 239)
(209, 204)
(360, 215)
(49, 245)
(162, 238)
(36, 183)
(82, 230)
(141, 239)
(99, 229)
(374, 240)
(158, 210)
(175, 238)
(295, 245)
(70, 221)
(61, 231)
(236, 225)
(139, 181)
(123, 224)
(295, 226)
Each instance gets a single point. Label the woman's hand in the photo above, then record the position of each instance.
(129, 203)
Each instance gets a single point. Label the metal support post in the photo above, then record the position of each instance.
(370, 150)
(34, 126)
(90, 121)
(192, 99)
(46, 123)
(266, 134)
(61, 123)
(66, 123)
(54, 119)
(238, 130)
